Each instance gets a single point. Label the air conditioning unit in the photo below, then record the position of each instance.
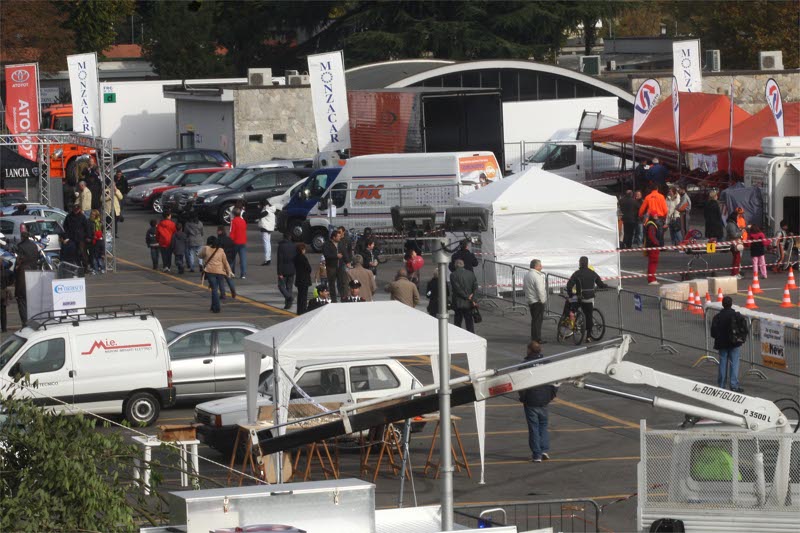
(771, 60)
(298, 79)
(712, 61)
(259, 76)
(611, 65)
(590, 65)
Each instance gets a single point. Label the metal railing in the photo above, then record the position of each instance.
(569, 515)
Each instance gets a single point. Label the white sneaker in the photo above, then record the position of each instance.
(654, 283)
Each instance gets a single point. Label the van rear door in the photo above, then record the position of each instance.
(49, 362)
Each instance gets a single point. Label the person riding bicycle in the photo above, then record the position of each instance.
(583, 282)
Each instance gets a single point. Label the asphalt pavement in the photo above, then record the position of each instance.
(594, 437)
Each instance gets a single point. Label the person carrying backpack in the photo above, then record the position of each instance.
(729, 330)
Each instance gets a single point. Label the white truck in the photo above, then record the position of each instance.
(776, 171)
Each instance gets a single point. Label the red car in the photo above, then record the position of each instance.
(149, 194)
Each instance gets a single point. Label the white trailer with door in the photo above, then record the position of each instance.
(776, 171)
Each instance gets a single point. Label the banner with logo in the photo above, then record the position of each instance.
(686, 65)
(85, 93)
(646, 98)
(676, 112)
(775, 103)
(69, 294)
(772, 345)
(329, 98)
(22, 105)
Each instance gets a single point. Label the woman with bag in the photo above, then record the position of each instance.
(215, 268)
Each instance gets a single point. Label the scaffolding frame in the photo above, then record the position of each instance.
(105, 162)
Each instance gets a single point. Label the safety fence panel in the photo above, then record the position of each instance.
(66, 270)
(691, 474)
(640, 314)
(683, 324)
(558, 515)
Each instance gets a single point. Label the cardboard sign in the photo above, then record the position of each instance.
(69, 294)
(772, 345)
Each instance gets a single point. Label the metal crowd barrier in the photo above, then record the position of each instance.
(569, 515)
(68, 270)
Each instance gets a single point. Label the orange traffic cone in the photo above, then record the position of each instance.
(690, 303)
(787, 298)
(720, 296)
(697, 309)
(756, 285)
(791, 284)
(708, 297)
(751, 301)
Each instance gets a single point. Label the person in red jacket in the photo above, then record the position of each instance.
(652, 241)
(164, 232)
(238, 235)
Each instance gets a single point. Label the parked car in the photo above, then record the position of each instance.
(11, 197)
(208, 157)
(149, 195)
(165, 172)
(333, 383)
(37, 210)
(252, 188)
(13, 226)
(133, 162)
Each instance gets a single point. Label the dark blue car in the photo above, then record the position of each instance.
(211, 158)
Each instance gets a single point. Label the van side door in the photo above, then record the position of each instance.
(50, 363)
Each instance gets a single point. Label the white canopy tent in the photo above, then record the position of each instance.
(537, 214)
(358, 331)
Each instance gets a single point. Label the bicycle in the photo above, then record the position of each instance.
(572, 324)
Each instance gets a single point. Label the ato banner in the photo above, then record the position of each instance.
(329, 97)
(85, 93)
(686, 65)
(775, 103)
(22, 105)
(645, 101)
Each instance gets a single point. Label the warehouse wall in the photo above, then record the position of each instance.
(210, 122)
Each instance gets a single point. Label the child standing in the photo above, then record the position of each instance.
(180, 245)
(757, 250)
(152, 242)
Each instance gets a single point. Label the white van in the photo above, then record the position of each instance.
(107, 360)
(361, 193)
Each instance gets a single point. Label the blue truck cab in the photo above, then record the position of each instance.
(295, 216)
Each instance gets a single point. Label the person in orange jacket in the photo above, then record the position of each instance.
(654, 207)
(164, 232)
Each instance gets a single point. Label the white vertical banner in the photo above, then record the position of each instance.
(329, 97)
(676, 112)
(645, 101)
(85, 93)
(773, 94)
(686, 65)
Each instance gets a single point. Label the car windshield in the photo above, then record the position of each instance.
(9, 348)
(233, 175)
(159, 171)
(173, 179)
(217, 177)
(542, 153)
(170, 335)
(150, 162)
(43, 227)
(243, 180)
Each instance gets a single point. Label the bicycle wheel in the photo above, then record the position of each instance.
(598, 325)
(564, 329)
(580, 328)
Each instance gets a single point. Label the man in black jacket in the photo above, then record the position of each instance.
(463, 253)
(583, 282)
(286, 254)
(332, 255)
(535, 401)
(721, 331)
(27, 258)
(629, 209)
(76, 227)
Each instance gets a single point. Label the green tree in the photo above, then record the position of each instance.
(95, 22)
(27, 34)
(182, 40)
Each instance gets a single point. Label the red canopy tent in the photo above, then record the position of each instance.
(701, 116)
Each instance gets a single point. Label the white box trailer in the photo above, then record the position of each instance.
(777, 172)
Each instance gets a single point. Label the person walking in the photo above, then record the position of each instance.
(464, 285)
(215, 267)
(655, 205)
(302, 280)
(229, 248)
(27, 258)
(713, 217)
(345, 247)
(266, 224)
(151, 240)
(164, 232)
(535, 290)
(757, 250)
(403, 290)
(194, 240)
(238, 235)
(673, 216)
(77, 228)
(286, 271)
(629, 209)
(365, 277)
(180, 245)
(729, 331)
(332, 255)
(534, 401)
(432, 293)
(121, 182)
(653, 240)
(733, 234)
(463, 253)
(324, 298)
(583, 282)
(370, 256)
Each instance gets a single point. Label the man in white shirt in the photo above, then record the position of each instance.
(536, 296)
(266, 223)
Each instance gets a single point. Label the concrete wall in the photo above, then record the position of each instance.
(211, 123)
(748, 86)
(269, 112)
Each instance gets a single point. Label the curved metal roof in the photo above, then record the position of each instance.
(382, 75)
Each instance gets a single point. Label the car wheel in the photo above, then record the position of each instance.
(226, 213)
(296, 230)
(142, 409)
(318, 239)
(157, 205)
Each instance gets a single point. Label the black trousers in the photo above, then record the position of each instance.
(466, 315)
(588, 308)
(166, 257)
(537, 316)
(628, 229)
(333, 281)
(302, 299)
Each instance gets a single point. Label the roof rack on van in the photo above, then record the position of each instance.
(105, 312)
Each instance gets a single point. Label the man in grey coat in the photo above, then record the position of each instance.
(194, 234)
(536, 296)
(464, 285)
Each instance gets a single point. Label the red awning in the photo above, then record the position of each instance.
(702, 115)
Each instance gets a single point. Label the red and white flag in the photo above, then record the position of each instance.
(645, 101)
(676, 112)
(775, 103)
(22, 105)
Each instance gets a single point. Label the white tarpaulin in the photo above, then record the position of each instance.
(85, 93)
(329, 98)
(537, 214)
(360, 331)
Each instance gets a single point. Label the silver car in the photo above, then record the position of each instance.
(208, 358)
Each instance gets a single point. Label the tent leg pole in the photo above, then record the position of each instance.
(442, 258)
